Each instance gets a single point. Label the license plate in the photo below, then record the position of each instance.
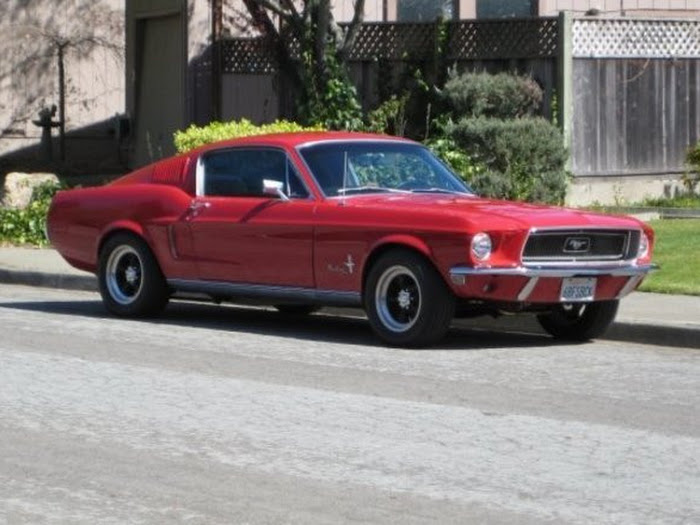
(577, 289)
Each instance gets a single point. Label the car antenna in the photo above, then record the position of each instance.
(345, 177)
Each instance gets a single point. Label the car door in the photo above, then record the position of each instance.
(238, 233)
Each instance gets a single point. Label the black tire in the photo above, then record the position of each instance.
(407, 301)
(297, 309)
(131, 282)
(579, 321)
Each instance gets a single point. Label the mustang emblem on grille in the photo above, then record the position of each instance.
(577, 244)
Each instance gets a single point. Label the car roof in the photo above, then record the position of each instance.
(296, 139)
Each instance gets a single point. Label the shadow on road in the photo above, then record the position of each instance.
(341, 326)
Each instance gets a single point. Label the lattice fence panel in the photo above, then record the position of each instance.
(499, 39)
(626, 38)
(248, 55)
(394, 42)
(467, 40)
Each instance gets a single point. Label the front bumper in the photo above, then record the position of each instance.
(541, 283)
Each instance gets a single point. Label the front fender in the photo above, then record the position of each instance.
(393, 241)
(408, 241)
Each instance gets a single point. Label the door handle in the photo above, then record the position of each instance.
(196, 207)
(199, 205)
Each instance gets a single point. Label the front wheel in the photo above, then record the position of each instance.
(579, 321)
(131, 282)
(407, 301)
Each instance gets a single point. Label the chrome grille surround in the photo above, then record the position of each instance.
(580, 245)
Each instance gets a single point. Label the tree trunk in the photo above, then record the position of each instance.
(61, 103)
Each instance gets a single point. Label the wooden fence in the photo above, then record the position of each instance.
(632, 86)
(636, 90)
(252, 86)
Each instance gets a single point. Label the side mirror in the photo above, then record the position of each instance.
(273, 188)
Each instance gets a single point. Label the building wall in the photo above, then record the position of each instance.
(94, 65)
(681, 8)
(387, 10)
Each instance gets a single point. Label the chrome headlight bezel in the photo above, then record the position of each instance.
(643, 248)
(481, 246)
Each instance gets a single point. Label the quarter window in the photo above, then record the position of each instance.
(241, 172)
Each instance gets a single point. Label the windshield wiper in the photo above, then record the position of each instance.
(369, 189)
(438, 190)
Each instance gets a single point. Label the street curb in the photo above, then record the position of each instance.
(662, 335)
(623, 331)
(50, 280)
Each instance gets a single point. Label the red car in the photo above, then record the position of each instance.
(304, 220)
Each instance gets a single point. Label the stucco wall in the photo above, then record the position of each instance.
(680, 8)
(94, 63)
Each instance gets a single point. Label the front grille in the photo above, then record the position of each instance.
(581, 245)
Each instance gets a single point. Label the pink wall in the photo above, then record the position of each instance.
(680, 8)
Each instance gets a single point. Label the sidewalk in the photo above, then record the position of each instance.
(661, 319)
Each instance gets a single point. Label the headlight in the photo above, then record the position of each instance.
(481, 246)
(643, 249)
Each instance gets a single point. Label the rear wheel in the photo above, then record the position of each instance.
(579, 321)
(131, 282)
(407, 301)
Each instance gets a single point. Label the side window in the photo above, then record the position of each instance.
(240, 173)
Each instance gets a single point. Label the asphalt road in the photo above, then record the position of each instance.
(231, 415)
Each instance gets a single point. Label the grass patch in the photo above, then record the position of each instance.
(677, 251)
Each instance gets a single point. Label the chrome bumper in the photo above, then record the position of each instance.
(459, 274)
(555, 271)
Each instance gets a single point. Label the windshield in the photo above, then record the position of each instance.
(347, 168)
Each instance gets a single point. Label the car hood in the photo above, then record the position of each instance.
(494, 213)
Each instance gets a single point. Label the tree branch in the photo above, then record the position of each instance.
(353, 30)
(261, 18)
(275, 8)
(292, 9)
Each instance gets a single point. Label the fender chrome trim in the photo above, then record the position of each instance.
(554, 271)
(268, 292)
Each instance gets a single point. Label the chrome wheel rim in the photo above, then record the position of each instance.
(124, 275)
(398, 299)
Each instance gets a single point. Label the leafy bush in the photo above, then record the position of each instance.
(332, 102)
(503, 95)
(27, 226)
(389, 117)
(447, 149)
(196, 136)
(692, 159)
(529, 152)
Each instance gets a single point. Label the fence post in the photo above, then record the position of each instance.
(216, 69)
(565, 79)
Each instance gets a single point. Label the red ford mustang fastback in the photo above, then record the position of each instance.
(304, 220)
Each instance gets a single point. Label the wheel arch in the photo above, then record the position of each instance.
(396, 242)
(124, 227)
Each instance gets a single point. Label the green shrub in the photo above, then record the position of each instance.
(503, 95)
(447, 149)
(335, 106)
(27, 226)
(196, 136)
(692, 159)
(529, 152)
(389, 116)
(492, 184)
